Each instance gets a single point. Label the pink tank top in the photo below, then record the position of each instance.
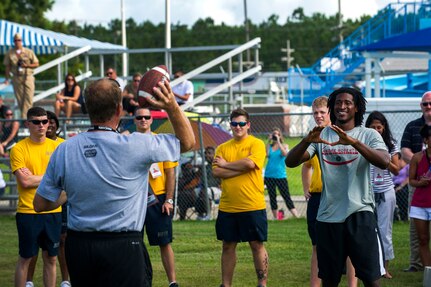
(422, 195)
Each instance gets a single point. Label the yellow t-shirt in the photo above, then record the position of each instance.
(60, 140)
(244, 192)
(35, 157)
(158, 183)
(316, 177)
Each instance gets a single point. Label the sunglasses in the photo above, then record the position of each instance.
(136, 81)
(38, 122)
(9, 114)
(17, 40)
(241, 124)
(143, 117)
(69, 79)
(109, 73)
(426, 104)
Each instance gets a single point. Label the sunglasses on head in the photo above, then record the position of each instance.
(426, 104)
(38, 122)
(241, 124)
(143, 117)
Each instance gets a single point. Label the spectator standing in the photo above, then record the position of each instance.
(111, 73)
(104, 246)
(20, 62)
(158, 221)
(51, 133)
(130, 95)
(411, 143)
(312, 186)
(69, 100)
(420, 210)
(29, 160)
(346, 224)
(242, 210)
(383, 186)
(275, 172)
(183, 91)
(9, 135)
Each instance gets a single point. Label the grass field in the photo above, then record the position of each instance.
(198, 256)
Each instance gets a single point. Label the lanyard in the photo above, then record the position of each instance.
(102, 128)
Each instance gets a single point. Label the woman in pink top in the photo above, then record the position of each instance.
(420, 211)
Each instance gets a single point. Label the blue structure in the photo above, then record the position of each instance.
(345, 64)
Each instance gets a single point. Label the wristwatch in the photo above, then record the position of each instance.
(170, 201)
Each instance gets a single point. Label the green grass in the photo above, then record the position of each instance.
(197, 255)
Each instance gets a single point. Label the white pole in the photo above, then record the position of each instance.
(124, 41)
(168, 34)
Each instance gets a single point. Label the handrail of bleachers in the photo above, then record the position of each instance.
(225, 57)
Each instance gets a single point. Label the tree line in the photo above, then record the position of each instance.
(311, 37)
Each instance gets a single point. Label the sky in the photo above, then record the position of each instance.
(231, 12)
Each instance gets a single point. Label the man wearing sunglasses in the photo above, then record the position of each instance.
(29, 160)
(20, 62)
(158, 221)
(108, 202)
(242, 210)
(111, 73)
(412, 143)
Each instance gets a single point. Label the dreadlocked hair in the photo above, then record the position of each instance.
(358, 98)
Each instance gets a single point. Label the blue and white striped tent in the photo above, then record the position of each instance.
(48, 42)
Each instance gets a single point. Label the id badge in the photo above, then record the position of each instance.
(155, 170)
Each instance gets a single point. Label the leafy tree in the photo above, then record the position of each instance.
(29, 12)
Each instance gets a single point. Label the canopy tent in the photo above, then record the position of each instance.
(48, 42)
(418, 41)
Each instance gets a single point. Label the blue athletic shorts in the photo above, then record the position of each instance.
(242, 226)
(158, 225)
(38, 231)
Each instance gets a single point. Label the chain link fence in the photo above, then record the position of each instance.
(197, 191)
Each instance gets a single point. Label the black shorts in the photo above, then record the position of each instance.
(38, 231)
(242, 226)
(312, 208)
(111, 259)
(357, 238)
(158, 225)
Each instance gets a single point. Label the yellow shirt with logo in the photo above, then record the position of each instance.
(158, 183)
(35, 157)
(244, 192)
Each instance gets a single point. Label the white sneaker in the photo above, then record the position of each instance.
(65, 284)
(29, 284)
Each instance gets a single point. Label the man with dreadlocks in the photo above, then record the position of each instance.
(346, 224)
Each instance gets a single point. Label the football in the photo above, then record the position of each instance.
(149, 81)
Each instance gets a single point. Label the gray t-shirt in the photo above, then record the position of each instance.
(345, 174)
(105, 176)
